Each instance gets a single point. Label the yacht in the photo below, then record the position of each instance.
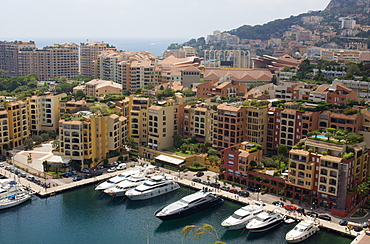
(14, 200)
(116, 179)
(302, 231)
(242, 217)
(156, 186)
(188, 205)
(265, 221)
(120, 189)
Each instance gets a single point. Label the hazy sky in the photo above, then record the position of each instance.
(26, 19)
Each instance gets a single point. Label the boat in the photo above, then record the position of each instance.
(156, 186)
(116, 179)
(302, 231)
(188, 205)
(241, 217)
(288, 220)
(120, 189)
(14, 200)
(264, 221)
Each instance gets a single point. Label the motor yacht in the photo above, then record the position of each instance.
(188, 205)
(116, 179)
(265, 221)
(14, 200)
(120, 189)
(156, 186)
(302, 231)
(241, 217)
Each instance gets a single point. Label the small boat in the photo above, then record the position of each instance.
(14, 200)
(242, 216)
(188, 205)
(116, 179)
(288, 220)
(302, 231)
(156, 186)
(265, 221)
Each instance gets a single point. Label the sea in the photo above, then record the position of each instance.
(155, 45)
(86, 216)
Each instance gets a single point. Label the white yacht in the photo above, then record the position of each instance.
(302, 231)
(242, 217)
(14, 200)
(120, 189)
(116, 179)
(188, 205)
(156, 186)
(265, 221)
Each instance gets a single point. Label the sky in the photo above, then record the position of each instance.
(178, 19)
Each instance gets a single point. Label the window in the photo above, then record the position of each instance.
(231, 156)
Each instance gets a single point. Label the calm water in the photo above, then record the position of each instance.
(85, 216)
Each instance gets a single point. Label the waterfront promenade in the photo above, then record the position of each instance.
(61, 186)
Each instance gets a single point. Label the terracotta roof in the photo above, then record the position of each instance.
(321, 89)
(299, 152)
(331, 158)
(344, 116)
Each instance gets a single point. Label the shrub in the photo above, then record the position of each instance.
(193, 168)
(324, 153)
(310, 150)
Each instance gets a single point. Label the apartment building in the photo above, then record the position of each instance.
(183, 52)
(138, 121)
(236, 161)
(348, 122)
(44, 112)
(291, 90)
(88, 53)
(224, 87)
(4, 132)
(325, 172)
(97, 88)
(9, 51)
(198, 122)
(73, 106)
(86, 139)
(105, 65)
(256, 125)
(229, 126)
(18, 120)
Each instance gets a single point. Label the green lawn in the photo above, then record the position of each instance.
(359, 214)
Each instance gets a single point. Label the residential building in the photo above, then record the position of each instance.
(138, 119)
(4, 131)
(44, 112)
(197, 122)
(96, 88)
(224, 87)
(18, 121)
(247, 76)
(9, 51)
(236, 161)
(87, 138)
(88, 53)
(183, 52)
(327, 174)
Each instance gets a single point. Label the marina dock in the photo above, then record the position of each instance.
(58, 188)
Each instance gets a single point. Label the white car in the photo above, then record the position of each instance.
(110, 170)
(1, 165)
(121, 166)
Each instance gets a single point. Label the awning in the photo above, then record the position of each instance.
(169, 159)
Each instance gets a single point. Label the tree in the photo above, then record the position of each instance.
(205, 229)
(178, 140)
(28, 143)
(131, 143)
(44, 136)
(213, 159)
(55, 144)
(197, 164)
(211, 152)
(283, 150)
(80, 94)
(37, 139)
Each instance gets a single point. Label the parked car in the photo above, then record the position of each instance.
(311, 214)
(198, 180)
(206, 183)
(243, 193)
(31, 178)
(233, 190)
(77, 178)
(253, 189)
(357, 228)
(74, 172)
(115, 164)
(110, 170)
(215, 184)
(88, 176)
(8, 168)
(23, 175)
(199, 174)
(365, 225)
(343, 223)
(324, 217)
(87, 170)
(278, 203)
(225, 188)
(98, 173)
(122, 166)
(1, 165)
(101, 167)
(290, 207)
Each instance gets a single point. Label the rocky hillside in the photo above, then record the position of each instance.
(348, 6)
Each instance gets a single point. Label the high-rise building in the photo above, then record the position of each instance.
(9, 51)
(18, 122)
(88, 53)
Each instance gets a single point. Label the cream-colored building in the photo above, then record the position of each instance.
(44, 112)
(138, 122)
(96, 88)
(4, 131)
(88, 138)
(18, 122)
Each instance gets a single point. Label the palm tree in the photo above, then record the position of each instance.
(208, 229)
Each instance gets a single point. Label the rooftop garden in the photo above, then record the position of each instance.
(336, 136)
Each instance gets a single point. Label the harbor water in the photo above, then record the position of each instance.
(86, 216)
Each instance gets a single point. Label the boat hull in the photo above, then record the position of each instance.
(189, 211)
(154, 193)
(13, 203)
(301, 238)
(267, 227)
